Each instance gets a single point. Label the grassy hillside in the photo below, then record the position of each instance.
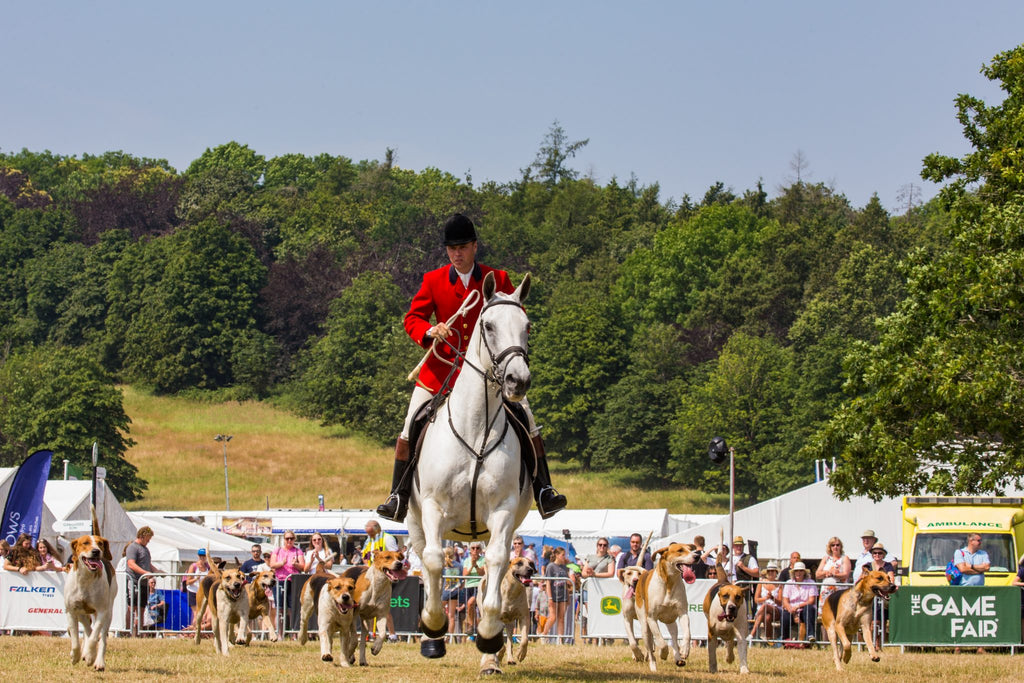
(278, 459)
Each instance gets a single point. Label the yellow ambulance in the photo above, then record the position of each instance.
(934, 527)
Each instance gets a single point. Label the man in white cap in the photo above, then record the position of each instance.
(869, 539)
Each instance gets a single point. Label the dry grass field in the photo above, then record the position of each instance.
(278, 460)
(47, 658)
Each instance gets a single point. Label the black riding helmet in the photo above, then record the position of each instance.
(458, 230)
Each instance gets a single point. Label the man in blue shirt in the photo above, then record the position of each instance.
(632, 558)
(972, 561)
(249, 566)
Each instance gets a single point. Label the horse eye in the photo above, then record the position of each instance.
(488, 327)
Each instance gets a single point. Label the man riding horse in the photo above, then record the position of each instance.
(440, 295)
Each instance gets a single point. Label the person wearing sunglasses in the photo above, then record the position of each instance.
(600, 565)
(318, 555)
(285, 561)
(836, 564)
(518, 548)
(249, 566)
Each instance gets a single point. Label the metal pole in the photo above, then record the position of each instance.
(732, 493)
(227, 497)
(224, 438)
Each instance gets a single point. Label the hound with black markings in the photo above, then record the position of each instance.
(373, 594)
(845, 609)
(308, 599)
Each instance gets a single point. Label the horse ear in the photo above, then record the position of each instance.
(489, 286)
(524, 288)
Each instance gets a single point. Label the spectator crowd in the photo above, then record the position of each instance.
(786, 598)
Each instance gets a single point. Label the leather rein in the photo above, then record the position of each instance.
(495, 376)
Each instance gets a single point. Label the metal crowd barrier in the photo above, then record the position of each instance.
(773, 634)
(173, 618)
(407, 602)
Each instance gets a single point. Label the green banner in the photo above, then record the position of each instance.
(955, 615)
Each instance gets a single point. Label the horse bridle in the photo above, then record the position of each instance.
(509, 351)
(491, 375)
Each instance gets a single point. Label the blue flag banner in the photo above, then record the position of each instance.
(23, 513)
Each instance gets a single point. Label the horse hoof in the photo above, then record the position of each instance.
(490, 672)
(434, 633)
(432, 649)
(680, 662)
(492, 645)
(327, 658)
(876, 659)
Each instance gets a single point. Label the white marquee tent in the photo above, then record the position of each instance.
(176, 542)
(803, 520)
(68, 500)
(586, 526)
(6, 479)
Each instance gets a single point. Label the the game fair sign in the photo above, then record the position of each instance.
(955, 615)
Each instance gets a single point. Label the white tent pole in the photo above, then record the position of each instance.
(732, 494)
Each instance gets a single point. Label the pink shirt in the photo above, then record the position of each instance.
(289, 556)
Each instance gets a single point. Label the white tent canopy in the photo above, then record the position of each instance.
(803, 520)
(6, 479)
(176, 542)
(586, 526)
(68, 500)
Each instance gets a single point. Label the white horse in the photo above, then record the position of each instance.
(468, 474)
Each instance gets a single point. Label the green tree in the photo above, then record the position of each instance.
(997, 135)
(663, 282)
(62, 400)
(185, 330)
(634, 427)
(744, 398)
(340, 370)
(868, 286)
(577, 358)
(555, 151)
(937, 405)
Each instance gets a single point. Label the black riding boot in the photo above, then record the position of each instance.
(549, 501)
(397, 504)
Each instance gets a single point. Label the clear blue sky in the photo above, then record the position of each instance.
(679, 93)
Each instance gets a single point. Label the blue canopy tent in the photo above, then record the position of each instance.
(539, 542)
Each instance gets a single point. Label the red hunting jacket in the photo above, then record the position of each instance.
(440, 296)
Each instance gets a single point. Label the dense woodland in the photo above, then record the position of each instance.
(792, 323)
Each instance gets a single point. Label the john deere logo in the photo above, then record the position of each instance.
(611, 605)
